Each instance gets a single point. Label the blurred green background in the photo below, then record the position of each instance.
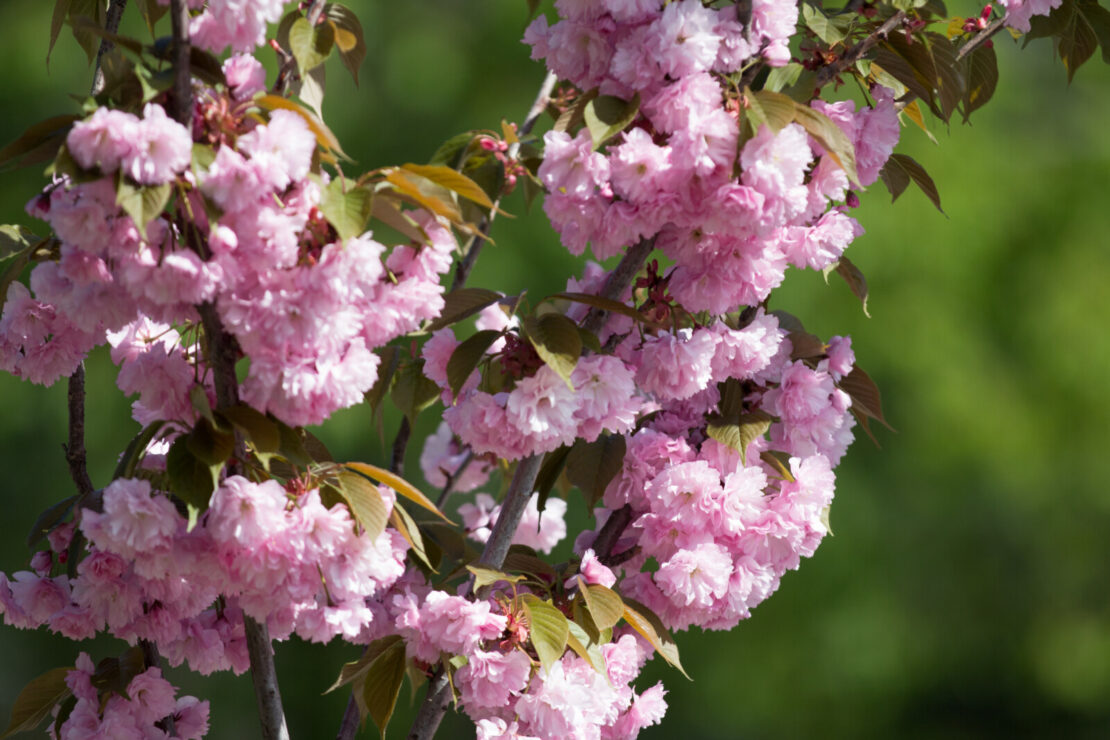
(965, 593)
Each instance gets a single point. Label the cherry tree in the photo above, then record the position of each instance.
(202, 220)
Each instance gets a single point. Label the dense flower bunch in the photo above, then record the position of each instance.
(702, 427)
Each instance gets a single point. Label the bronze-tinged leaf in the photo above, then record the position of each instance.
(605, 604)
(1078, 41)
(591, 466)
(557, 342)
(50, 519)
(606, 116)
(806, 346)
(912, 65)
(210, 445)
(349, 37)
(547, 629)
(398, 484)
(356, 669)
(403, 522)
(846, 269)
(865, 395)
(391, 359)
(382, 684)
(464, 360)
(1098, 18)
(981, 71)
(387, 210)
(452, 180)
(554, 463)
(523, 559)
(902, 168)
(191, 479)
(573, 116)
(365, 502)
(771, 108)
(645, 621)
(830, 136)
(425, 193)
(462, 303)
(324, 136)
(37, 698)
(780, 461)
(950, 82)
(605, 304)
(129, 461)
(57, 20)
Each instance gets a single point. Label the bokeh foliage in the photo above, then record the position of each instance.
(966, 591)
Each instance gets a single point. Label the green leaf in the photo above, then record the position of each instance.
(386, 210)
(587, 649)
(488, 576)
(311, 87)
(365, 502)
(466, 357)
(347, 207)
(606, 116)
(644, 621)
(143, 203)
(356, 669)
(591, 466)
(816, 21)
(50, 519)
(780, 461)
(382, 684)
(855, 279)
(210, 445)
(15, 238)
(310, 45)
(129, 461)
(547, 627)
(557, 342)
(425, 193)
(37, 698)
(785, 76)
(398, 484)
(981, 71)
(412, 391)
(260, 430)
(191, 480)
(403, 522)
(349, 38)
(152, 11)
(769, 108)
(452, 180)
(830, 136)
(605, 604)
(900, 169)
(463, 303)
(449, 153)
(740, 433)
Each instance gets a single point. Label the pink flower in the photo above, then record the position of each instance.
(490, 679)
(245, 76)
(103, 140)
(161, 149)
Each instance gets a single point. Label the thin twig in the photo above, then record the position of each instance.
(453, 478)
(400, 445)
(982, 37)
(611, 532)
(619, 280)
(856, 53)
(470, 255)
(111, 25)
(315, 11)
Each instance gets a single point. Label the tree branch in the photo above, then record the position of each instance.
(470, 256)
(853, 55)
(619, 280)
(75, 447)
(315, 11)
(111, 25)
(182, 73)
(982, 37)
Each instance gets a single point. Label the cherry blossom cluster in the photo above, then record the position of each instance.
(277, 555)
(148, 711)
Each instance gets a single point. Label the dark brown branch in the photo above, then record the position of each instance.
(619, 280)
(111, 25)
(453, 478)
(853, 55)
(75, 447)
(400, 444)
(182, 72)
(470, 255)
(982, 37)
(611, 532)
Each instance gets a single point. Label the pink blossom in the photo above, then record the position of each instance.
(161, 149)
(245, 76)
(676, 366)
(103, 140)
(570, 166)
(490, 679)
(685, 39)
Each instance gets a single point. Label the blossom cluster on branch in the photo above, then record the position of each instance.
(206, 232)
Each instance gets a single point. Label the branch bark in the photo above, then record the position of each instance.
(111, 25)
(75, 446)
(853, 55)
(182, 74)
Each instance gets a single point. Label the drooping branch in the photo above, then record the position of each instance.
(470, 255)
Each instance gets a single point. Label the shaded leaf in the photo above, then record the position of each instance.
(260, 430)
(466, 357)
(39, 142)
(830, 136)
(57, 20)
(780, 461)
(125, 468)
(645, 621)
(398, 484)
(522, 559)
(412, 391)
(462, 303)
(210, 445)
(912, 65)
(557, 342)
(805, 345)
(191, 479)
(949, 73)
(449, 153)
(365, 502)
(770, 108)
(349, 38)
(605, 304)
(50, 519)
(548, 629)
(864, 393)
(572, 117)
(15, 238)
(36, 699)
(855, 279)
(553, 464)
(606, 116)
(382, 684)
(356, 669)
(981, 71)
(902, 168)
(386, 210)
(591, 466)
(391, 358)
(152, 11)
(587, 649)
(403, 522)
(143, 203)
(310, 44)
